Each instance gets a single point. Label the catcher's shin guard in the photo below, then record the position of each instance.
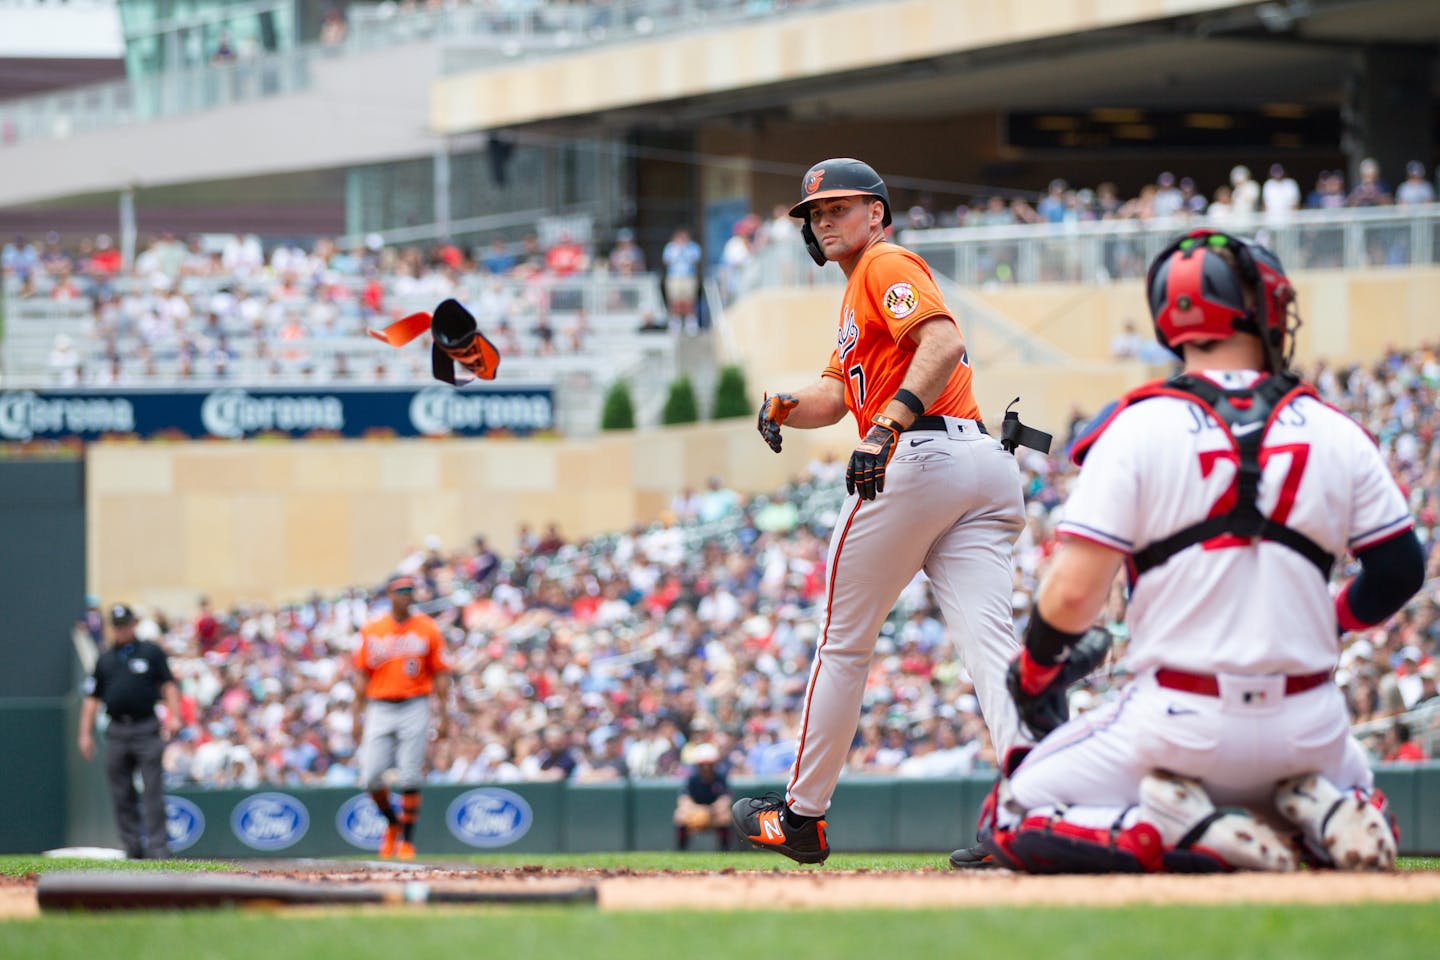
(1200, 839)
(1051, 845)
(1349, 829)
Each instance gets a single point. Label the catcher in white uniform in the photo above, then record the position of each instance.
(1227, 493)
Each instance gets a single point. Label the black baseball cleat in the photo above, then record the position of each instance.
(761, 821)
(972, 858)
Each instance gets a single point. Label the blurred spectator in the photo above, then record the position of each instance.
(566, 257)
(1329, 192)
(1399, 745)
(64, 361)
(1221, 211)
(1244, 193)
(681, 257)
(1280, 194)
(1192, 201)
(498, 259)
(1168, 200)
(626, 258)
(1414, 188)
(1371, 191)
(333, 27)
(1129, 343)
(704, 800)
(1051, 207)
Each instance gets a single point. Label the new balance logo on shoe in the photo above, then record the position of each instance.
(757, 819)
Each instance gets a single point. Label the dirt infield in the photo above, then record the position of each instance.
(835, 889)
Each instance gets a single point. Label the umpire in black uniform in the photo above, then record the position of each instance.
(130, 679)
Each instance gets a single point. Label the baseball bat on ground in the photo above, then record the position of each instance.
(177, 891)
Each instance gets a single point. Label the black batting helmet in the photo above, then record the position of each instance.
(841, 177)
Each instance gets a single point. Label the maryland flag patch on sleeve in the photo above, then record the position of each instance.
(900, 300)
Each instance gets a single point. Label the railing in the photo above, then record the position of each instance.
(473, 37)
(991, 334)
(1109, 250)
(104, 106)
(477, 36)
(1423, 722)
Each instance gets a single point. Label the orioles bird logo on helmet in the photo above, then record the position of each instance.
(812, 182)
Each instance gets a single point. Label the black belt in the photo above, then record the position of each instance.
(938, 423)
(124, 719)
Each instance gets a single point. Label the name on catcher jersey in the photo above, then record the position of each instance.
(1231, 604)
(890, 292)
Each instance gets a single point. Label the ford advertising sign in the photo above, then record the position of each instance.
(488, 817)
(359, 821)
(270, 821)
(184, 823)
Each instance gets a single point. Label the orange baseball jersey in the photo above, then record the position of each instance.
(400, 660)
(889, 292)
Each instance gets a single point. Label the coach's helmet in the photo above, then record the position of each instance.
(838, 177)
(1196, 293)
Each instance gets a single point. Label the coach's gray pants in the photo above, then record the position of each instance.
(394, 736)
(130, 745)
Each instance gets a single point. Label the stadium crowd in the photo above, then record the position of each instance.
(216, 308)
(205, 308)
(618, 656)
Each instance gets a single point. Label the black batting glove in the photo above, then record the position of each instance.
(865, 474)
(773, 412)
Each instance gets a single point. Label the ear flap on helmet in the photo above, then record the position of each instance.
(812, 246)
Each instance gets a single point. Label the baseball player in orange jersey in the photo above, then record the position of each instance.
(402, 659)
(929, 489)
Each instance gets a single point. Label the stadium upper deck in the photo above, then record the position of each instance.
(710, 101)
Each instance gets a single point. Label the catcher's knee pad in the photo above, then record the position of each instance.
(1348, 829)
(1051, 845)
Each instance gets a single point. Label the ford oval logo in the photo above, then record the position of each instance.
(270, 821)
(184, 823)
(360, 822)
(489, 817)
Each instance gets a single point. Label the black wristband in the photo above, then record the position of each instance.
(1046, 643)
(911, 401)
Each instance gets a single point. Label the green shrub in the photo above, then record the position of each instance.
(619, 410)
(730, 398)
(680, 405)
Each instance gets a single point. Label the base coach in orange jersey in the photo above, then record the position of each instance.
(401, 658)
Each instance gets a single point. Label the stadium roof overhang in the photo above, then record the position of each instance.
(1244, 56)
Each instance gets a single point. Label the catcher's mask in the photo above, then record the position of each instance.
(1196, 294)
(840, 177)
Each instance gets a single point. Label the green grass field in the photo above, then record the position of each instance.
(1372, 931)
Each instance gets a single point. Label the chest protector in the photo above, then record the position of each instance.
(1247, 415)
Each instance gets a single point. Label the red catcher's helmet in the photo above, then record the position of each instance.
(1195, 294)
(841, 177)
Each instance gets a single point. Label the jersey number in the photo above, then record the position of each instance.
(857, 374)
(1298, 453)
